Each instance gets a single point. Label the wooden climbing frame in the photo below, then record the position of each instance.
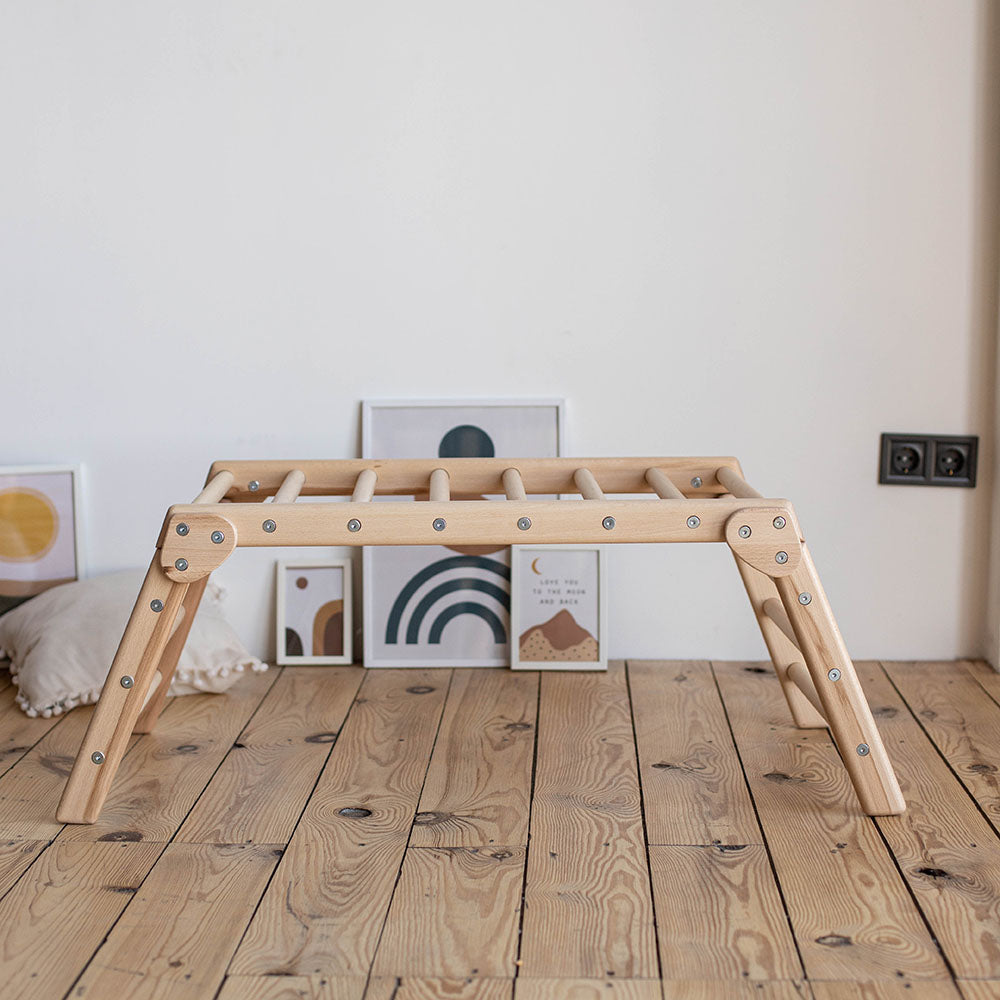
(687, 500)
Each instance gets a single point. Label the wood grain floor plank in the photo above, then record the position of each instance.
(587, 989)
(693, 788)
(941, 990)
(719, 915)
(479, 780)
(455, 913)
(980, 989)
(324, 910)
(168, 769)
(948, 853)
(56, 916)
(851, 913)
(716, 990)
(411, 988)
(19, 732)
(16, 857)
(948, 701)
(184, 923)
(259, 791)
(588, 909)
(293, 988)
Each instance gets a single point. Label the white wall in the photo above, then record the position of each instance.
(764, 229)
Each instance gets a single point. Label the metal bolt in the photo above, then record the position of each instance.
(218, 537)
(693, 521)
(524, 523)
(181, 564)
(779, 522)
(439, 524)
(127, 682)
(805, 598)
(745, 531)
(781, 557)
(354, 524)
(156, 605)
(834, 674)
(182, 529)
(97, 757)
(253, 486)
(269, 526)
(609, 523)
(864, 749)
(696, 482)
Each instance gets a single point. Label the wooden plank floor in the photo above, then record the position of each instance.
(654, 832)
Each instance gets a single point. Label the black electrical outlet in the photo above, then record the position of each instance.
(954, 461)
(928, 460)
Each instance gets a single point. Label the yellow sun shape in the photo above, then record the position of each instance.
(28, 524)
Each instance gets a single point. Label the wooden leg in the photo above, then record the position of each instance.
(141, 649)
(157, 696)
(783, 652)
(839, 690)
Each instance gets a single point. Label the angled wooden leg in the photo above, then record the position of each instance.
(783, 652)
(141, 649)
(843, 700)
(157, 695)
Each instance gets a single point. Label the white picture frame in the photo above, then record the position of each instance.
(41, 531)
(308, 619)
(560, 621)
(404, 587)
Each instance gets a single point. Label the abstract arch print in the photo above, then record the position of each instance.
(446, 605)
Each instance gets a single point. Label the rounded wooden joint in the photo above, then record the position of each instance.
(766, 538)
(203, 543)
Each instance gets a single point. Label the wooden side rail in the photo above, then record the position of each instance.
(679, 500)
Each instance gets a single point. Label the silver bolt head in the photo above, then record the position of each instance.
(97, 757)
(834, 674)
(779, 522)
(218, 537)
(253, 486)
(608, 523)
(269, 526)
(693, 521)
(781, 558)
(156, 605)
(745, 531)
(182, 529)
(181, 564)
(524, 523)
(126, 681)
(439, 524)
(696, 481)
(805, 598)
(354, 524)
(864, 749)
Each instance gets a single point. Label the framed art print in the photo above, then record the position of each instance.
(427, 606)
(314, 611)
(558, 608)
(40, 540)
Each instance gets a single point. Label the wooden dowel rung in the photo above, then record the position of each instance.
(775, 610)
(736, 484)
(291, 487)
(587, 484)
(216, 488)
(440, 491)
(663, 485)
(799, 676)
(364, 486)
(512, 485)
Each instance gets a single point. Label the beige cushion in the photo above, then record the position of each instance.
(62, 642)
